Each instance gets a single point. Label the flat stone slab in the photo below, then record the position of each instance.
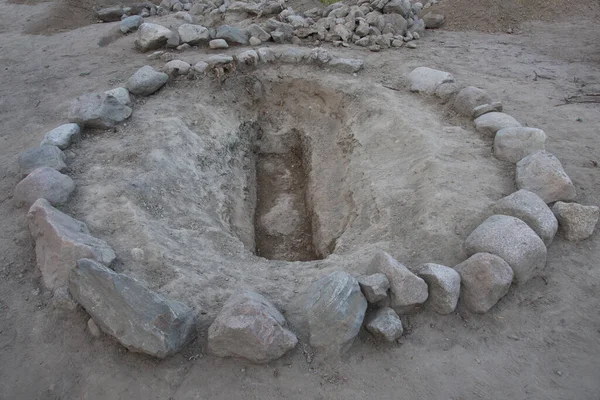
(513, 144)
(374, 287)
(98, 110)
(444, 287)
(468, 98)
(512, 240)
(577, 222)
(146, 81)
(250, 327)
(543, 174)
(385, 324)
(531, 209)
(62, 136)
(426, 80)
(151, 37)
(43, 156)
(490, 123)
(122, 307)
(60, 241)
(44, 183)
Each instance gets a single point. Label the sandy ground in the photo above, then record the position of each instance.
(541, 341)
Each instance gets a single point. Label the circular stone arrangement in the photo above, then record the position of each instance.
(508, 247)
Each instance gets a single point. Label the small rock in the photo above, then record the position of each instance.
(253, 41)
(446, 91)
(444, 287)
(62, 136)
(542, 174)
(374, 287)
(98, 110)
(200, 67)
(266, 54)
(426, 80)
(374, 48)
(231, 34)
(256, 31)
(110, 14)
(433, 20)
(176, 68)
(131, 24)
(43, 156)
(577, 222)
(62, 299)
(193, 34)
(121, 94)
(46, 183)
(218, 44)
(146, 81)
(485, 279)
(490, 123)
(469, 98)
(151, 37)
(513, 144)
(348, 65)
(219, 59)
(385, 324)
(175, 40)
(478, 111)
(296, 41)
(248, 58)
(156, 55)
(93, 328)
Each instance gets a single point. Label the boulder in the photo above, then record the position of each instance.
(176, 68)
(512, 240)
(433, 20)
(121, 94)
(402, 7)
(98, 111)
(146, 81)
(543, 174)
(397, 23)
(141, 320)
(490, 123)
(110, 14)
(231, 34)
(60, 241)
(250, 327)
(469, 98)
(444, 287)
(131, 24)
(43, 156)
(62, 136)
(426, 80)
(385, 324)
(329, 313)
(577, 222)
(218, 44)
(485, 279)
(407, 290)
(531, 209)
(374, 287)
(44, 183)
(513, 144)
(193, 34)
(151, 37)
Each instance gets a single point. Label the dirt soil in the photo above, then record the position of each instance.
(174, 182)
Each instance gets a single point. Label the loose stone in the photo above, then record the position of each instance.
(577, 222)
(146, 81)
(444, 287)
(43, 156)
(543, 174)
(44, 183)
(513, 144)
(385, 324)
(98, 110)
(374, 287)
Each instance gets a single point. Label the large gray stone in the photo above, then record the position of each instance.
(231, 34)
(490, 123)
(512, 240)
(151, 37)
(98, 110)
(512, 144)
(43, 156)
(385, 324)
(62, 136)
(110, 14)
(402, 7)
(329, 313)
(532, 210)
(577, 222)
(176, 68)
(146, 81)
(485, 279)
(250, 327)
(131, 24)
(374, 287)
(256, 31)
(426, 80)
(219, 59)
(193, 34)
(60, 241)
(397, 23)
(46, 183)
(407, 290)
(433, 20)
(468, 98)
(543, 174)
(121, 94)
(444, 287)
(218, 44)
(138, 318)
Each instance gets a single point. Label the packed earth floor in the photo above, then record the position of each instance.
(542, 340)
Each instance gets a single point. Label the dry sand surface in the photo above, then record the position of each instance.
(173, 182)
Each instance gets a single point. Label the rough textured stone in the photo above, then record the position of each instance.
(469, 98)
(256, 31)
(426, 80)
(43, 156)
(402, 7)
(444, 287)
(329, 313)
(98, 110)
(62, 136)
(385, 324)
(176, 68)
(110, 14)
(485, 279)
(250, 327)
(395, 22)
(478, 111)
(131, 24)
(577, 222)
(347, 65)
(490, 123)
(193, 34)
(60, 241)
(219, 59)
(532, 210)
(174, 40)
(231, 34)
(407, 290)
(247, 58)
(146, 81)
(542, 174)
(151, 37)
(374, 287)
(121, 94)
(138, 318)
(512, 144)
(254, 41)
(201, 67)
(218, 44)
(512, 240)
(46, 183)
(446, 91)
(433, 20)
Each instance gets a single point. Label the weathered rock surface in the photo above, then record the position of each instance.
(512, 144)
(512, 240)
(121, 94)
(98, 110)
(62, 136)
(60, 241)
(46, 183)
(531, 209)
(577, 222)
(193, 34)
(250, 327)
(151, 37)
(110, 14)
(407, 290)
(374, 287)
(231, 34)
(219, 59)
(146, 81)
(138, 318)
(247, 58)
(218, 44)
(347, 65)
(490, 123)
(444, 287)
(131, 24)
(385, 324)
(330, 313)
(542, 174)
(426, 80)
(256, 31)
(433, 20)
(176, 68)
(485, 279)
(478, 111)
(43, 156)
(469, 98)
